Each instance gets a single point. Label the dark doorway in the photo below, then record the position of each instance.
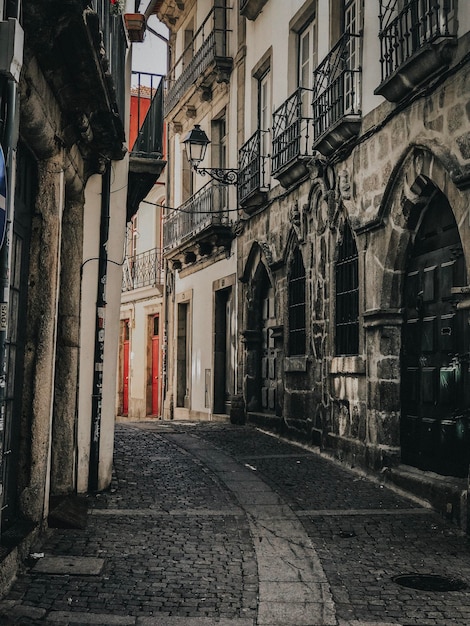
(224, 352)
(25, 195)
(268, 350)
(435, 351)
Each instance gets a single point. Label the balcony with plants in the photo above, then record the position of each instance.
(251, 8)
(253, 175)
(146, 155)
(143, 270)
(204, 62)
(336, 96)
(417, 41)
(200, 227)
(292, 138)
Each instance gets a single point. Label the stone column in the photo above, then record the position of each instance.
(383, 344)
(40, 346)
(63, 451)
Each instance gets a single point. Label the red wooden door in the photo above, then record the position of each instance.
(125, 370)
(155, 366)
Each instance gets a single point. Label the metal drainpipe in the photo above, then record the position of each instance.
(97, 395)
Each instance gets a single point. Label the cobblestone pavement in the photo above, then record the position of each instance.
(212, 523)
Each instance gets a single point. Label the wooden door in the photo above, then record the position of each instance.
(155, 365)
(435, 364)
(268, 353)
(125, 369)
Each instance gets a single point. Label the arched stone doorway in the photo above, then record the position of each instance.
(435, 393)
(261, 364)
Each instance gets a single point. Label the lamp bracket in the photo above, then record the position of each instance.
(226, 176)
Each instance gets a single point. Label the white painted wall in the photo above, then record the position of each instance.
(202, 339)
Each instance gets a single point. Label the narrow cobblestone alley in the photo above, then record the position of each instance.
(211, 523)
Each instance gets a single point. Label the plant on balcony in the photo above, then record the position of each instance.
(117, 7)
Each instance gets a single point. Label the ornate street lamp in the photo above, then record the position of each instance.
(196, 143)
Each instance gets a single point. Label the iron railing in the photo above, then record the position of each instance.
(143, 270)
(252, 166)
(336, 84)
(115, 45)
(149, 123)
(405, 27)
(292, 129)
(208, 43)
(207, 207)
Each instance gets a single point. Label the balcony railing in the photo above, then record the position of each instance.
(143, 270)
(336, 91)
(148, 112)
(252, 158)
(405, 30)
(206, 208)
(292, 132)
(208, 46)
(115, 44)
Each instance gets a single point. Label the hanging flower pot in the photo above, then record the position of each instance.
(135, 26)
(117, 7)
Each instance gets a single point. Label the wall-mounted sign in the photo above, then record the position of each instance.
(3, 197)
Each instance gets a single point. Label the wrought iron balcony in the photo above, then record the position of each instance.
(145, 163)
(143, 270)
(251, 8)
(416, 41)
(292, 137)
(198, 225)
(204, 61)
(336, 96)
(252, 160)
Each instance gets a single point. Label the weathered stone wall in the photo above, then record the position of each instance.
(352, 405)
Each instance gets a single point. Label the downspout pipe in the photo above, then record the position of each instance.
(97, 392)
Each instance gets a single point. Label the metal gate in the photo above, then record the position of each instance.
(435, 363)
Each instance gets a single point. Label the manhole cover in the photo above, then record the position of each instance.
(429, 582)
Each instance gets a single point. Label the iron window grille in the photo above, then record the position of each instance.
(252, 167)
(292, 130)
(405, 27)
(347, 296)
(297, 304)
(336, 85)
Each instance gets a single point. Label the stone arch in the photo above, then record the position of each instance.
(418, 175)
(257, 263)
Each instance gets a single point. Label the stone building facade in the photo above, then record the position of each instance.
(353, 254)
(64, 111)
(351, 122)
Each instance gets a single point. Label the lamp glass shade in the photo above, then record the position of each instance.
(196, 143)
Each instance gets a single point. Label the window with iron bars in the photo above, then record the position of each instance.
(347, 296)
(297, 336)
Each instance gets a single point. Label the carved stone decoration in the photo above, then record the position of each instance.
(266, 248)
(238, 227)
(295, 220)
(344, 185)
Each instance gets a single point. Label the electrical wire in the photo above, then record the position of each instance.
(189, 211)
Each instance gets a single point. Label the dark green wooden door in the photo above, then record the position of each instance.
(435, 377)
